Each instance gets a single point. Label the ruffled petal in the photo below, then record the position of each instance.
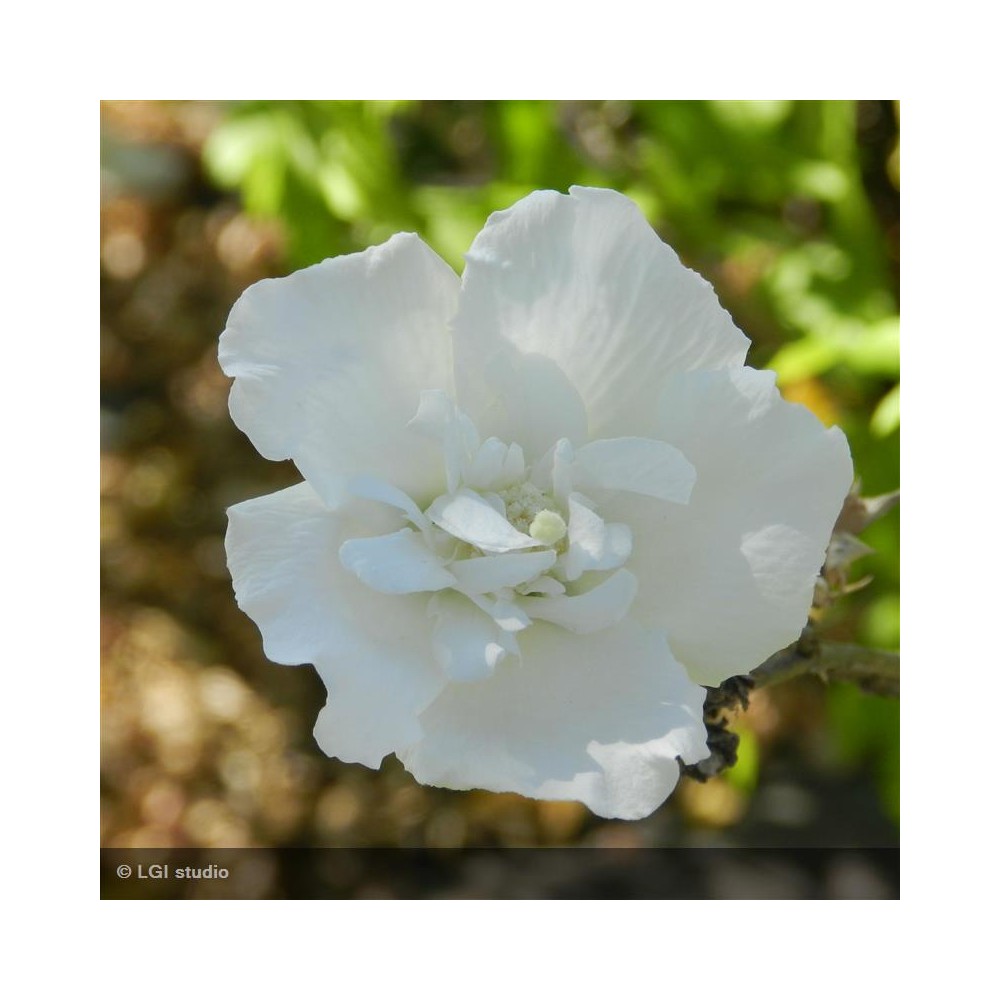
(593, 544)
(330, 361)
(373, 488)
(583, 281)
(731, 574)
(605, 605)
(638, 465)
(467, 516)
(487, 574)
(544, 585)
(440, 420)
(598, 718)
(504, 610)
(533, 402)
(554, 471)
(468, 644)
(495, 466)
(372, 651)
(399, 563)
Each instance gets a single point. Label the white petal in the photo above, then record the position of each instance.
(593, 545)
(638, 465)
(372, 651)
(399, 563)
(495, 466)
(467, 516)
(599, 718)
(544, 585)
(554, 471)
(486, 468)
(496, 502)
(373, 488)
(468, 644)
(533, 402)
(330, 362)
(504, 610)
(583, 280)
(513, 464)
(605, 605)
(440, 420)
(730, 575)
(486, 574)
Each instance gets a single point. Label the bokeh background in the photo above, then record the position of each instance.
(790, 209)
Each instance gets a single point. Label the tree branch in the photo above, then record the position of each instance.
(872, 670)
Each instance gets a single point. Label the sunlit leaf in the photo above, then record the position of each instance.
(745, 772)
(885, 419)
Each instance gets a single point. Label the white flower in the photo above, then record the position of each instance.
(541, 506)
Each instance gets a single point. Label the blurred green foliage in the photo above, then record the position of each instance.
(867, 728)
(790, 208)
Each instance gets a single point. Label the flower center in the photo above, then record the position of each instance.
(509, 543)
(530, 510)
(547, 527)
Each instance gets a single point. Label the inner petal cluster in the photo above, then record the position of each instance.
(508, 544)
(530, 510)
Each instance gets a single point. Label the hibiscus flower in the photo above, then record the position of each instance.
(542, 505)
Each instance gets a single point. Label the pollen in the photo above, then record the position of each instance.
(530, 510)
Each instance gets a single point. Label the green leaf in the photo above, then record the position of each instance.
(744, 773)
(866, 731)
(885, 419)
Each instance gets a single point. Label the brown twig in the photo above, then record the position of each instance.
(872, 670)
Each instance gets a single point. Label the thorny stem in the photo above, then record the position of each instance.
(873, 670)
